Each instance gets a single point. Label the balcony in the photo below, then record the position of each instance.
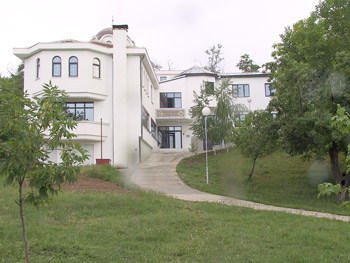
(169, 113)
(90, 131)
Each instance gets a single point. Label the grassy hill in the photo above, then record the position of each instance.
(278, 180)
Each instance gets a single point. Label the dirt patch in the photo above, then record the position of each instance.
(85, 184)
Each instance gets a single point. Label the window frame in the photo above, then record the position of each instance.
(54, 69)
(237, 94)
(170, 96)
(98, 67)
(271, 92)
(70, 64)
(145, 118)
(209, 87)
(153, 128)
(85, 107)
(37, 68)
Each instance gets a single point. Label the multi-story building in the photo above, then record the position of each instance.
(124, 108)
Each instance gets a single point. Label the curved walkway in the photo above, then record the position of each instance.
(158, 173)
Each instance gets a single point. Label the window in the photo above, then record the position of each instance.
(96, 68)
(153, 128)
(242, 117)
(56, 67)
(163, 78)
(170, 136)
(145, 118)
(241, 90)
(37, 68)
(170, 100)
(268, 90)
(73, 67)
(209, 87)
(81, 110)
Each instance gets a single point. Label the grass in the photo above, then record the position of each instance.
(105, 172)
(278, 180)
(145, 227)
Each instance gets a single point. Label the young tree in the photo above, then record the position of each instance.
(214, 58)
(246, 64)
(311, 74)
(29, 131)
(256, 136)
(220, 124)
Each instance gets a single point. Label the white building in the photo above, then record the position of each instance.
(113, 88)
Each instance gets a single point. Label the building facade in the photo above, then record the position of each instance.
(125, 109)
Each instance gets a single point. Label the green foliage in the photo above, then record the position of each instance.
(328, 189)
(311, 76)
(214, 58)
(256, 136)
(193, 148)
(220, 124)
(29, 131)
(246, 64)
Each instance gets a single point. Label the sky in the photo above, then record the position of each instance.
(175, 32)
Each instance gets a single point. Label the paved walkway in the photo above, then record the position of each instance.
(158, 173)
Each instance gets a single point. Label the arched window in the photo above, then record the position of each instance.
(96, 68)
(37, 68)
(56, 66)
(73, 67)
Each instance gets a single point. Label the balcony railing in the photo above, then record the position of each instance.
(170, 114)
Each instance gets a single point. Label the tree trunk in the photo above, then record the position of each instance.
(342, 179)
(252, 171)
(22, 218)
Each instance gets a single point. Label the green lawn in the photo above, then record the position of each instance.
(144, 227)
(278, 180)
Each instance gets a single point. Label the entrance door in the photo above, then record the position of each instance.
(171, 137)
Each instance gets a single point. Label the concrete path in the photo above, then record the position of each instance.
(158, 173)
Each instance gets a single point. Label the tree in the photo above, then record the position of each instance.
(29, 131)
(155, 65)
(16, 79)
(311, 74)
(214, 58)
(246, 64)
(256, 136)
(220, 124)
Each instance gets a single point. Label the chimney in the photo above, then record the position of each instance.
(121, 27)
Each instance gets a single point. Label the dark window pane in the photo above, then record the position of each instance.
(170, 103)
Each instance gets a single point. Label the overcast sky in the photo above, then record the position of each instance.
(178, 31)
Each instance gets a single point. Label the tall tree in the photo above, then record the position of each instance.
(311, 74)
(220, 123)
(214, 58)
(256, 136)
(246, 64)
(29, 131)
